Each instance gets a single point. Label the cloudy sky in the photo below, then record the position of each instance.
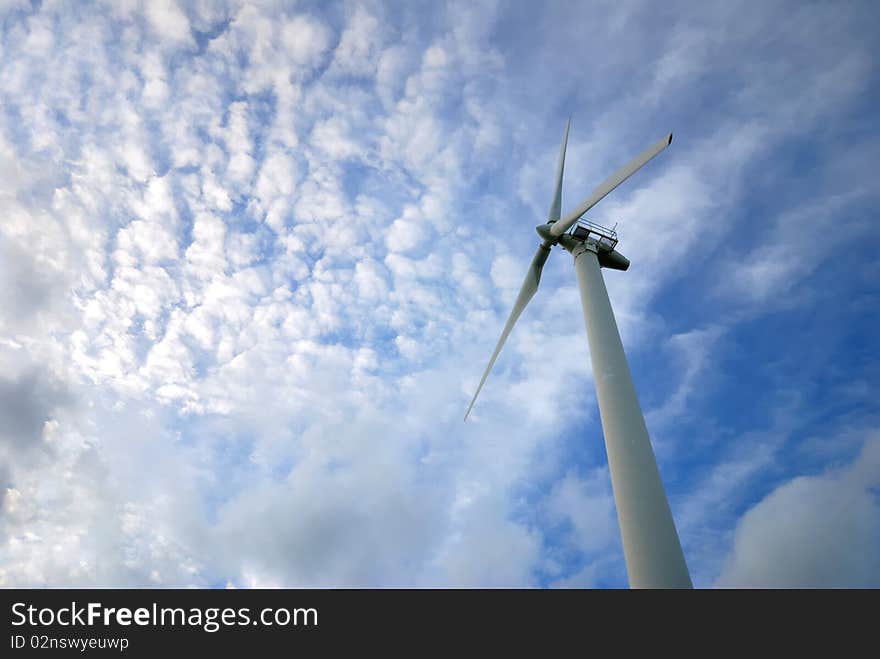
(254, 258)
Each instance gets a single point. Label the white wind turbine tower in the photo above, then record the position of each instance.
(650, 542)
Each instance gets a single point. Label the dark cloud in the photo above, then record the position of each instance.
(5, 481)
(25, 288)
(26, 403)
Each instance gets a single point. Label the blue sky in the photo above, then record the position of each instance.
(254, 258)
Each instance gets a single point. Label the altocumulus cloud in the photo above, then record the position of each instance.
(253, 258)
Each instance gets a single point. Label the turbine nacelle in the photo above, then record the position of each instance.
(601, 240)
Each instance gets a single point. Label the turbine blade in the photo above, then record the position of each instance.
(618, 177)
(529, 287)
(556, 205)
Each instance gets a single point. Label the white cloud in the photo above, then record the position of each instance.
(169, 21)
(508, 274)
(407, 232)
(691, 358)
(359, 45)
(587, 505)
(797, 242)
(331, 137)
(305, 40)
(813, 531)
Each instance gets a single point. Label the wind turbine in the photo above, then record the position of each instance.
(651, 546)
